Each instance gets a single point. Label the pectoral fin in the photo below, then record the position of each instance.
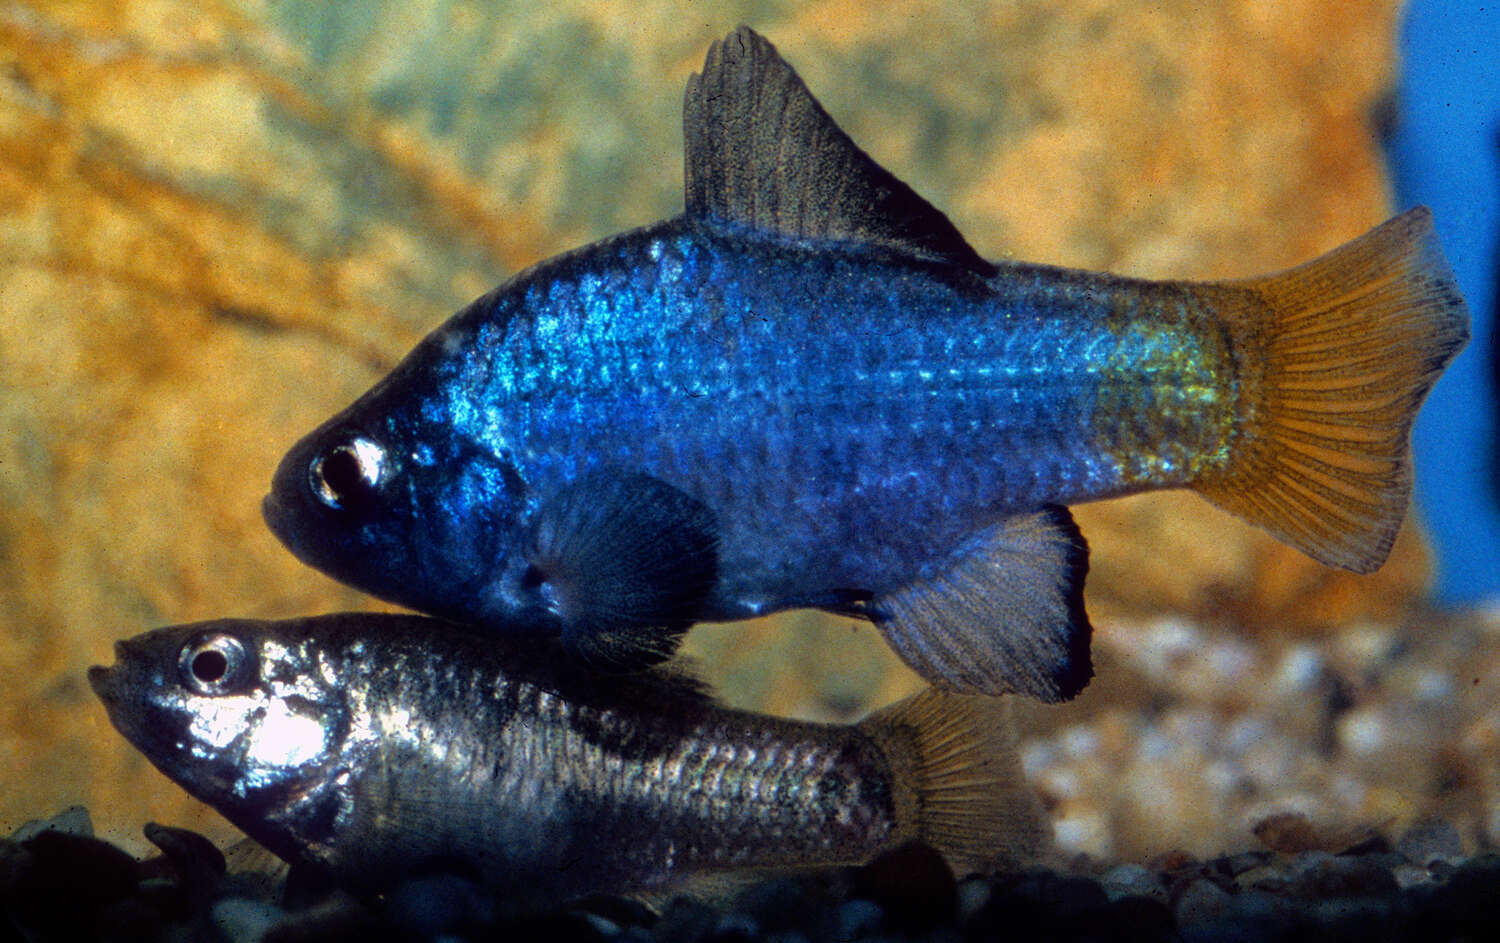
(625, 561)
(1004, 615)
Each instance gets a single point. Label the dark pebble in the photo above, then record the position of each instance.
(1224, 930)
(1235, 865)
(1429, 841)
(1269, 883)
(1466, 904)
(193, 854)
(563, 927)
(734, 928)
(253, 885)
(339, 916)
(167, 897)
(685, 921)
(57, 883)
(1256, 905)
(129, 919)
(1143, 919)
(1041, 904)
(1374, 845)
(1338, 876)
(1200, 902)
(62, 885)
(621, 911)
(14, 862)
(438, 904)
(913, 884)
(1365, 919)
(1253, 917)
(305, 887)
(74, 820)
(783, 904)
(858, 919)
(194, 866)
(1181, 871)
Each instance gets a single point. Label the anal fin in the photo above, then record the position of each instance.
(965, 791)
(1003, 616)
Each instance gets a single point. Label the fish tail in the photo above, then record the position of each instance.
(1336, 357)
(959, 783)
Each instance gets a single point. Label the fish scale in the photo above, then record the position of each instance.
(1001, 426)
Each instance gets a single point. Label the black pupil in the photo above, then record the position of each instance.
(342, 473)
(210, 665)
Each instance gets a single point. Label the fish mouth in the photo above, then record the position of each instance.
(106, 680)
(117, 684)
(111, 687)
(273, 513)
(283, 526)
(123, 688)
(102, 680)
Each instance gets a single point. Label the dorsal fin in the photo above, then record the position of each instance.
(762, 152)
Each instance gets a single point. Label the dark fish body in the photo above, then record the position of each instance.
(374, 747)
(808, 390)
(803, 393)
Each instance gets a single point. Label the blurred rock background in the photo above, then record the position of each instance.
(220, 221)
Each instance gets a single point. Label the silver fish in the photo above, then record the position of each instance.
(371, 747)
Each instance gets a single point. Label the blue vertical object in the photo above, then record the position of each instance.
(1445, 152)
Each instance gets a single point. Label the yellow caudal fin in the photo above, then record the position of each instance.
(959, 784)
(1337, 356)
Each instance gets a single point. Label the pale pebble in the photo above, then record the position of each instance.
(1133, 880)
(973, 894)
(1410, 875)
(1079, 828)
(1364, 731)
(1163, 646)
(1038, 755)
(74, 820)
(1430, 841)
(1301, 669)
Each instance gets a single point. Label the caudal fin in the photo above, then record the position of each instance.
(1339, 354)
(960, 786)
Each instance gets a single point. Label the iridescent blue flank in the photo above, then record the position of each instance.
(848, 415)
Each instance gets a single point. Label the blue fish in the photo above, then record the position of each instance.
(809, 391)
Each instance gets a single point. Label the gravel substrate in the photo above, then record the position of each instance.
(58, 882)
(1213, 737)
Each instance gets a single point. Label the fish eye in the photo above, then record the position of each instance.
(348, 474)
(215, 663)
